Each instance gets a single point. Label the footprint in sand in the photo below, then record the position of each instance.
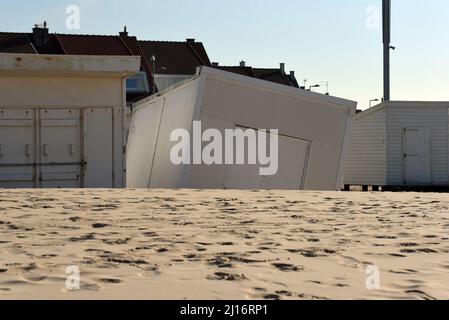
(218, 276)
(285, 267)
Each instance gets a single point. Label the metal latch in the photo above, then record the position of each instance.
(28, 150)
(45, 150)
(72, 149)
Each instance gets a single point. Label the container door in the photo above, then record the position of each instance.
(17, 154)
(417, 156)
(60, 156)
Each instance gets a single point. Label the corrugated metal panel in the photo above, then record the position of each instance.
(435, 118)
(366, 159)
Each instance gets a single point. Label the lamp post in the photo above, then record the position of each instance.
(373, 100)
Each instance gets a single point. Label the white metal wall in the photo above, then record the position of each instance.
(308, 117)
(314, 127)
(164, 81)
(418, 116)
(367, 153)
(149, 146)
(57, 148)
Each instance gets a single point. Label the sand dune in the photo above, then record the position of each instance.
(183, 244)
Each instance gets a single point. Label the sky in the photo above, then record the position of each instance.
(321, 40)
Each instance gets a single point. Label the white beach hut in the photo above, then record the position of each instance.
(313, 131)
(62, 120)
(400, 144)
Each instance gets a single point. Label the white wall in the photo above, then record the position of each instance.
(83, 93)
(224, 100)
(149, 146)
(366, 158)
(164, 81)
(308, 117)
(418, 115)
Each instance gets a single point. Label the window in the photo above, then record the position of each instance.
(132, 84)
(137, 83)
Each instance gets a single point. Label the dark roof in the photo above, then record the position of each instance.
(272, 75)
(181, 58)
(275, 75)
(244, 71)
(71, 44)
(171, 57)
(93, 45)
(15, 43)
(132, 97)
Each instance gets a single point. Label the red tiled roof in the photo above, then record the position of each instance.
(176, 57)
(15, 43)
(93, 45)
(76, 45)
(171, 57)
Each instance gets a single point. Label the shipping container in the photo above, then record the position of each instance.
(313, 131)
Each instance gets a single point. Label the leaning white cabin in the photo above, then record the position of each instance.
(400, 144)
(62, 120)
(313, 134)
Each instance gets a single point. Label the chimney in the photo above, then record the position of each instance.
(282, 67)
(292, 74)
(190, 40)
(242, 63)
(40, 35)
(215, 64)
(124, 33)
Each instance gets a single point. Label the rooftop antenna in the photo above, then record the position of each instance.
(153, 62)
(386, 4)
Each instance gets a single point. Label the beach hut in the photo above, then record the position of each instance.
(312, 134)
(400, 144)
(62, 120)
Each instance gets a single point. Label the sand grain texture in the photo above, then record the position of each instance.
(189, 244)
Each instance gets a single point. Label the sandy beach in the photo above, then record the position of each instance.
(189, 244)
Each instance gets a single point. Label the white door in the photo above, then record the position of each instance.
(17, 154)
(293, 155)
(98, 148)
(417, 156)
(60, 154)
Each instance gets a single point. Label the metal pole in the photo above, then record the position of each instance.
(153, 60)
(386, 40)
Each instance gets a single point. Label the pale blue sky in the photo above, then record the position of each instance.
(322, 40)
